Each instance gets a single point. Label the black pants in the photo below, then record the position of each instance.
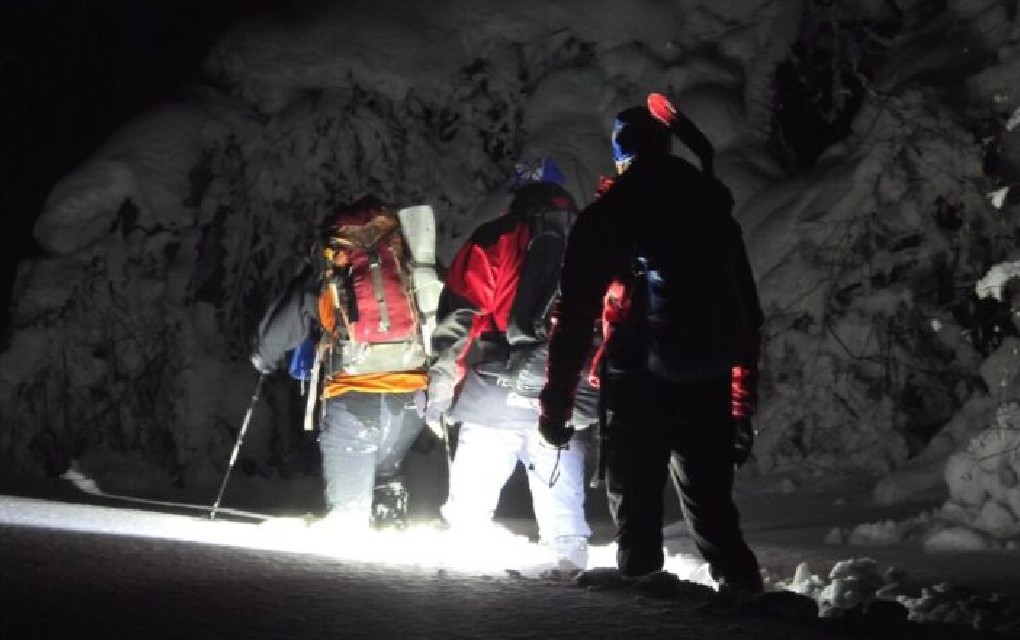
(650, 421)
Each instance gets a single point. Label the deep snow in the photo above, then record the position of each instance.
(72, 564)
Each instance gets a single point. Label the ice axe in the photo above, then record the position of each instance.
(237, 446)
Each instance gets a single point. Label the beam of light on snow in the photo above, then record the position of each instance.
(486, 552)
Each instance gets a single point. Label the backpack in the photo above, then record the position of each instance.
(684, 314)
(367, 306)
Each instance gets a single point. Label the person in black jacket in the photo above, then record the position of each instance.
(692, 316)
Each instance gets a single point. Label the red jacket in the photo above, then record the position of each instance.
(498, 292)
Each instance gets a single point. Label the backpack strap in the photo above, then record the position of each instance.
(338, 285)
(313, 385)
(377, 287)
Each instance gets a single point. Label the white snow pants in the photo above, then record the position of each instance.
(485, 459)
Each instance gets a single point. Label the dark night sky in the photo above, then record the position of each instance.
(71, 72)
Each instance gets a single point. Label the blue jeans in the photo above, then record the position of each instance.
(363, 439)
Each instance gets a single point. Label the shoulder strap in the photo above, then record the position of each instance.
(538, 284)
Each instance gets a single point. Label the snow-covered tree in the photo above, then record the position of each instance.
(861, 140)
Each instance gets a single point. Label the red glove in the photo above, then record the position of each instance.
(743, 391)
(743, 401)
(605, 182)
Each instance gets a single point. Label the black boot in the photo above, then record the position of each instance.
(389, 505)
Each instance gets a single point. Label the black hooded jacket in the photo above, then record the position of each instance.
(665, 210)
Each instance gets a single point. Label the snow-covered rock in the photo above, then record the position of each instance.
(883, 596)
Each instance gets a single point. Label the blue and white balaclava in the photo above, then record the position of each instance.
(620, 155)
(636, 131)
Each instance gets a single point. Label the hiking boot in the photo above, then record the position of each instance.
(740, 590)
(570, 552)
(389, 506)
(603, 578)
(663, 584)
(339, 526)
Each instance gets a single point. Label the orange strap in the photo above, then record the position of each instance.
(398, 382)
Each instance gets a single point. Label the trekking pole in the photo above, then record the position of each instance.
(237, 446)
(601, 408)
(599, 478)
(674, 476)
(446, 444)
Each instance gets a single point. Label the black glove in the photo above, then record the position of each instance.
(261, 365)
(555, 432)
(743, 440)
(435, 405)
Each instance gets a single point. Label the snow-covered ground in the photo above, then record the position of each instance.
(71, 565)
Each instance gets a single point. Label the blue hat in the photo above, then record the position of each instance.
(536, 170)
(636, 131)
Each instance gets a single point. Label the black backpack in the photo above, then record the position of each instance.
(686, 315)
